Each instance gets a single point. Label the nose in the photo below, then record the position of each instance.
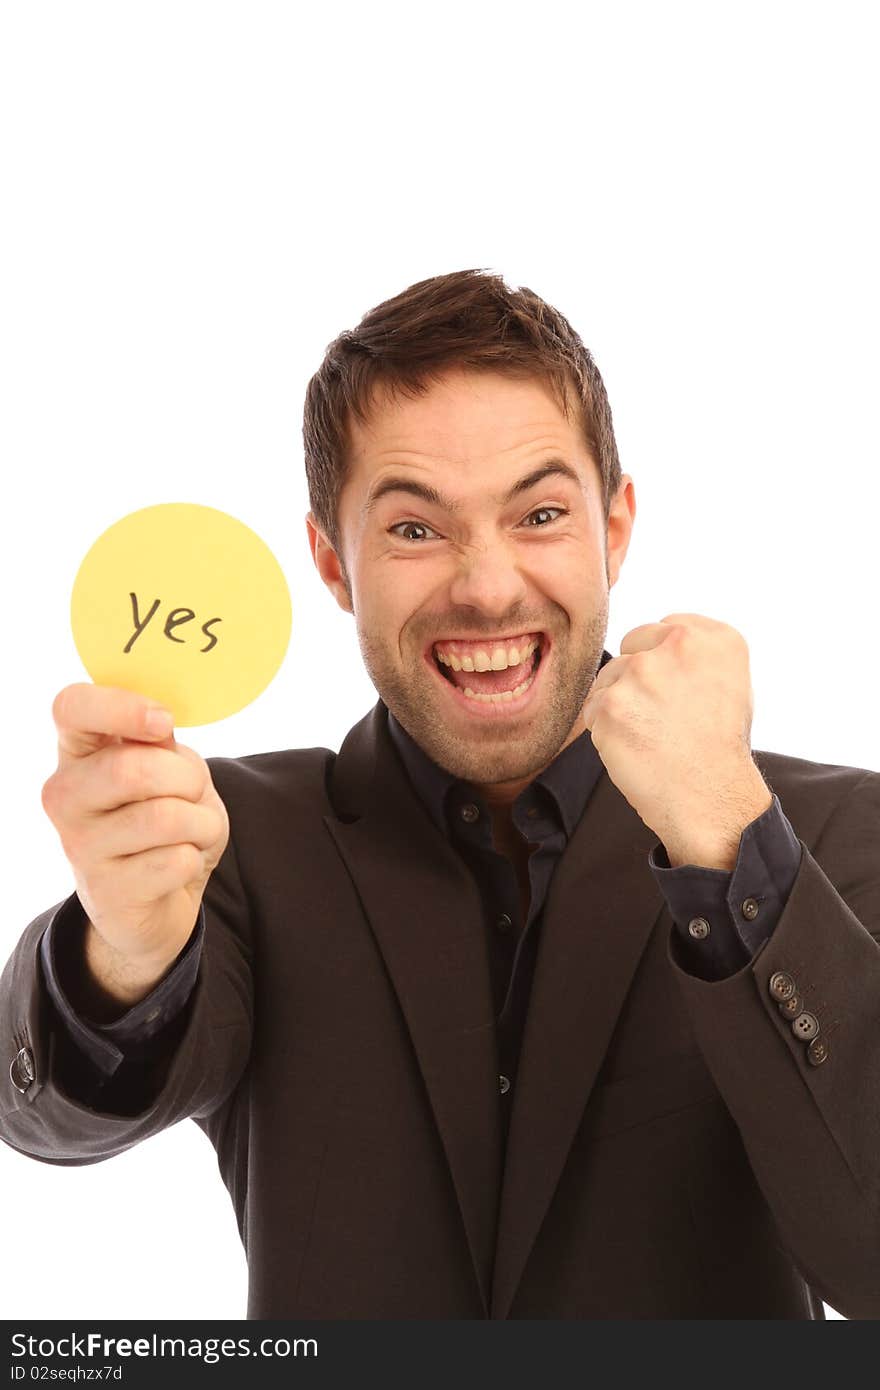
(487, 578)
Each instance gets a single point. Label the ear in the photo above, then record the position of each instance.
(621, 515)
(328, 564)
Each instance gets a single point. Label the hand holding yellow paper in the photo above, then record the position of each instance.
(184, 604)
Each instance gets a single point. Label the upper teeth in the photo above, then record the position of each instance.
(496, 659)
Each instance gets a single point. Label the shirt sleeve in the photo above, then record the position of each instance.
(723, 919)
(144, 1029)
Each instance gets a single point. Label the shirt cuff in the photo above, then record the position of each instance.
(107, 1044)
(723, 918)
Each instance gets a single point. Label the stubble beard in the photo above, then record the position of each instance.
(491, 753)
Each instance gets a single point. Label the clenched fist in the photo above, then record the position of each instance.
(671, 720)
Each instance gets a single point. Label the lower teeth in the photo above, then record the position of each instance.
(504, 695)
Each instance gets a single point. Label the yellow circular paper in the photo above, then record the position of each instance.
(185, 604)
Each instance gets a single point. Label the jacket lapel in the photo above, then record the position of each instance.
(424, 910)
(600, 911)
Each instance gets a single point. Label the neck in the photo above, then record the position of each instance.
(500, 796)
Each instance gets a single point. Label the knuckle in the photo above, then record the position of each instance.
(684, 640)
(57, 801)
(220, 825)
(198, 772)
(201, 780)
(49, 796)
(61, 704)
(186, 775)
(68, 703)
(188, 860)
(612, 704)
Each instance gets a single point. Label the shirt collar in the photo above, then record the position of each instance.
(569, 779)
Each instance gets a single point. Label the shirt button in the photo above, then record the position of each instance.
(782, 985)
(749, 909)
(504, 1084)
(805, 1026)
(533, 813)
(817, 1052)
(699, 928)
(504, 923)
(470, 812)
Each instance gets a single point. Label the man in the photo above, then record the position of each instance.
(545, 997)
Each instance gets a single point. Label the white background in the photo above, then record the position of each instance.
(199, 197)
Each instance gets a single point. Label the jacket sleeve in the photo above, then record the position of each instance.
(108, 1045)
(56, 1106)
(793, 1043)
(116, 1065)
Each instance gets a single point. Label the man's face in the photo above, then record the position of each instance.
(510, 556)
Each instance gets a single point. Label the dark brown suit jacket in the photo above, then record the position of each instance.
(673, 1153)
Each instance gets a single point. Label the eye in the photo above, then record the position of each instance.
(544, 511)
(399, 528)
(417, 525)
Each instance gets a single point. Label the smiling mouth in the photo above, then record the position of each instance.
(491, 686)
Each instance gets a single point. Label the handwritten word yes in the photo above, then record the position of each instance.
(175, 618)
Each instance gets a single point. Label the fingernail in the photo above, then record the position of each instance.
(160, 722)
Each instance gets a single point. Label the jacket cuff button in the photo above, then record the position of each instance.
(21, 1070)
(805, 1026)
(782, 985)
(817, 1052)
(790, 1007)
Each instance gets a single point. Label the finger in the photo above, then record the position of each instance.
(611, 672)
(141, 880)
(165, 820)
(88, 716)
(643, 638)
(691, 620)
(122, 773)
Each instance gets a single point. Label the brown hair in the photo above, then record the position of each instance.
(470, 319)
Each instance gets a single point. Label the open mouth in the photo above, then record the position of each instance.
(497, 692)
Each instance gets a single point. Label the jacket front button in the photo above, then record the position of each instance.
(805, 1026)
(21, 1070)
(749, 909)
(504, 1083)
(817, 1051)
(782, 985)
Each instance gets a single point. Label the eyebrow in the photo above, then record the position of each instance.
(549, 469)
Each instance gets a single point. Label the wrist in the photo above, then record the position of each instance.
(714, 843)
(109, 982)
